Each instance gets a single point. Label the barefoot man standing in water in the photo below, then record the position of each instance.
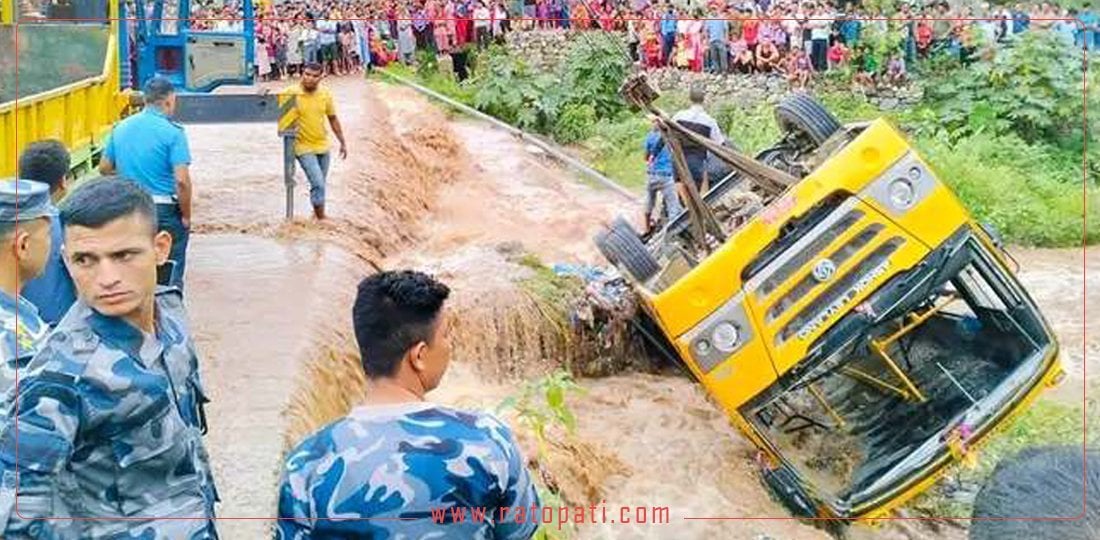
(311, 147)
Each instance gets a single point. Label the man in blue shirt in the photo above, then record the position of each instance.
(1021, 20)
(52, 292)
(397, 464)
(668, 34)
(150, 149)
(718, 53)
(660, 177)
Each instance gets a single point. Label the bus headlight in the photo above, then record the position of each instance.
(721, 334)
(725, 336)
(902, 186)
(902, 193)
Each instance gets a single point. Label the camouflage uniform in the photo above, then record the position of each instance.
(22, 332)
(402, 461)
(110, 425)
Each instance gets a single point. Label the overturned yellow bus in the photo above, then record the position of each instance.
(858, 326)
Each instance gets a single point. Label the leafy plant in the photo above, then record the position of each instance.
(575, 123)
(540, 405)
(509, 90)
(594, 70)
(1032, 88)
(427, 64)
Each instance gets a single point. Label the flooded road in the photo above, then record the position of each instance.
(1069, 298)
(270, 302)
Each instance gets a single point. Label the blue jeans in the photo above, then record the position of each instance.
(316, 169)
(668, 42)
(170, 220)
(312, 51)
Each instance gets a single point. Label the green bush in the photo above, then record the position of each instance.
(575, 123)
(592, 74)
(1032, 193)
(1032, 88)
(751, 128)
(509, 90)
(427, 63)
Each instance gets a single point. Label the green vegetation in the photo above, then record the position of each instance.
(50, 56)
(550, 293)
(1004, 131)
(540, 406)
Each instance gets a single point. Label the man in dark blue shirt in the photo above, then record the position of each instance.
(668, 34)
(52, 292)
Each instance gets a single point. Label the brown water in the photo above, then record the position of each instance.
(1056, 279)
(271, 305)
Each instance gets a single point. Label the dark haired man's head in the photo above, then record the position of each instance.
(697, 94)
(47, 162)
(311, 76)
(113, 248)
(402, 330)
(161, 93)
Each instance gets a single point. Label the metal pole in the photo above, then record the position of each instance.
(288, 171)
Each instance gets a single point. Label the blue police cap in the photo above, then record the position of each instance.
(24, 200)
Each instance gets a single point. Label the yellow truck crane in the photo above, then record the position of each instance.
(70, 74)
(841, 305)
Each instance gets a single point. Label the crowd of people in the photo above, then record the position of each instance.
(796, 39)
(347, 37)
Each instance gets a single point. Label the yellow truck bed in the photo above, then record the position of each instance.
(79, 114)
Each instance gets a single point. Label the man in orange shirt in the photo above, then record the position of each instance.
(311, 146)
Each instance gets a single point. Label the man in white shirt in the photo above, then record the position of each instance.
(696, 119)
(482, 18)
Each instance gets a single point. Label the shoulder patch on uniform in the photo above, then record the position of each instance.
(82, 341)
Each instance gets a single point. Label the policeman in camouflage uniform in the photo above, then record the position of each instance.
(25, 214)
(110, 416)
(382, 470)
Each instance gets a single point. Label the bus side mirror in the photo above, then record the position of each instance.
(994, 235)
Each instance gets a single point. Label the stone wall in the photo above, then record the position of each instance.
(547, 49)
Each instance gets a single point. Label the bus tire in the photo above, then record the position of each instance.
(802, 114)
(623, 248)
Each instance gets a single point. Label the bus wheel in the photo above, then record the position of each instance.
(800, 114)
(622, 247)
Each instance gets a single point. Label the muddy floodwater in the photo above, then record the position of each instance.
(270, 302)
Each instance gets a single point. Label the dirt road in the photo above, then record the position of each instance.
(271, 303)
